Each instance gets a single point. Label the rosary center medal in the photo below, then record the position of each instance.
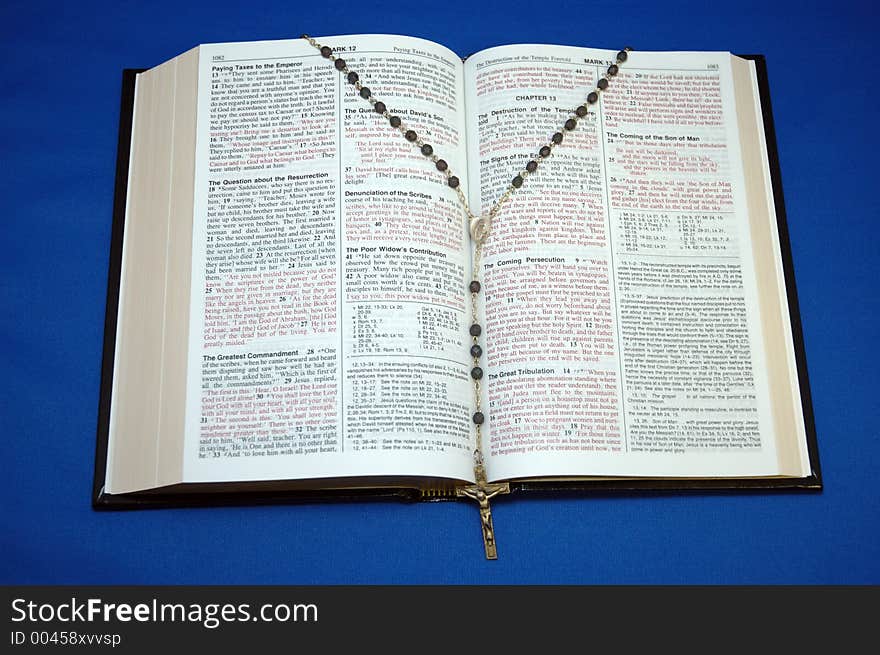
(480, 227)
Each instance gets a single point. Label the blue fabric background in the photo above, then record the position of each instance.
(59, 96)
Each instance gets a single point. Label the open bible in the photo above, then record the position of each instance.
(288, 309)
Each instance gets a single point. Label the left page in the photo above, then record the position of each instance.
(328, 323)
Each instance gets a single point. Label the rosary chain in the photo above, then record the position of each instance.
(479, 225)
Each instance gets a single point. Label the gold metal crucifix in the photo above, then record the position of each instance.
(482, 492)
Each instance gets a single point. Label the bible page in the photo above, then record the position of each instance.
(328, 327)
(622, 325)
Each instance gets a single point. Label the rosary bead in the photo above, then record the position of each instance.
(326, 52)
(474, 286)
(593, 97)
(353, 77)
(442, 165)
(411, 135)
(602, 83)
(340, 64)
(394, 120)
(475, 330)
(452, 181)
(581, 111)
(365, 93)
(532, 166)
(557, 138)
(427, 150)
(476, 373)
(545, 151)
(570, 124)
(621, 56)
(479, 418)
(476, 351)
(380, 107)
(612, 70)
(517, 181)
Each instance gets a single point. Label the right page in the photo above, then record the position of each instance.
(623, 323)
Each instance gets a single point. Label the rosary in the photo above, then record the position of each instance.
(479, 227)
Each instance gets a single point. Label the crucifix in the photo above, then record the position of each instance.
(482, 491)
